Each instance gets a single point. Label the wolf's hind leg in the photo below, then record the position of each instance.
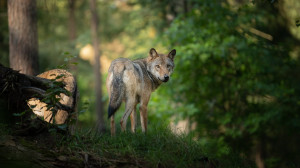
(133, 120)
(112, 125)
(129, 106)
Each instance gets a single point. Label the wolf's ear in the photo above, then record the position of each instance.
(172, 54)
(152, 53)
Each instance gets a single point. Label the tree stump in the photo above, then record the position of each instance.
(62, 115)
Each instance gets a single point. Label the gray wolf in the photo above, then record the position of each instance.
(133, 82)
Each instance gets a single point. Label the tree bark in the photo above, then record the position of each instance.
(259, 160)
(97, 72)
(72, 32)
(185, 7)
(23, 41)
(72, 23)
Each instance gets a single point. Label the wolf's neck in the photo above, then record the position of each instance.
(154, 81)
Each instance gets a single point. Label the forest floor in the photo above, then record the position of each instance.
(157, 148)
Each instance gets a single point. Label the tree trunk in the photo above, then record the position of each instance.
(260, 152)
(97, 72)
(185, 7)
(72, 32)
(23, 41)
(72, 23)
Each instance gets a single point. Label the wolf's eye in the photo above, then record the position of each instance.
(168, 66)
(157, 66)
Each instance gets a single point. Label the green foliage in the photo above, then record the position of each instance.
(242, 85)
(69, 60)
(20, 114)
(52, 93)
(4, 130)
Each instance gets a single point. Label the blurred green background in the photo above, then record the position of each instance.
(236, 84)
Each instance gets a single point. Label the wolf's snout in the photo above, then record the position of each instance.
(166, 78)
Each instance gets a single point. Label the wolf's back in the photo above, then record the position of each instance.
(117, 90)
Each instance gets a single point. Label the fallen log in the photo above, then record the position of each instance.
(51, 95)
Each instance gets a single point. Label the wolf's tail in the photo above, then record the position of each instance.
(116, 93)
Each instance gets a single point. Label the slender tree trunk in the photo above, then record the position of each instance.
(259, 153)
(72, 32)
(23, 38)
(185, 7)
(72, 23)
(97, 72)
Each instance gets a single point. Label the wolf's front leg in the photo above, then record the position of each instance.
(133, 120)
(143, 112)
(144, 117)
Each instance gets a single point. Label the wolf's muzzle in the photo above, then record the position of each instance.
(166, 78)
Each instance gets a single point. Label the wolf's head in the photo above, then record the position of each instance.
(161, 65)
